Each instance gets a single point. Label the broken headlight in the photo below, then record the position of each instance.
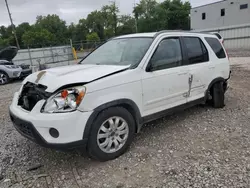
(66, 100)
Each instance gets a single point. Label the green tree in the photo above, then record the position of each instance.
(3, 42)
(126, 25)
(177, 14)
(20, 30)
(93, 37)
(96, 22)
(37, 38)
(7, 36)
(109, 13)
(54, 25)
(150, 16)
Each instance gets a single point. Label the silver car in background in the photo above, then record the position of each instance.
(8, 70)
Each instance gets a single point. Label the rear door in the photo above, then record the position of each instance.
(198, 66)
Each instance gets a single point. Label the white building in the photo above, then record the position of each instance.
(231, 18)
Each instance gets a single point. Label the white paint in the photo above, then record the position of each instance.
(152, 92)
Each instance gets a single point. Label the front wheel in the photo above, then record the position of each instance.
(4, 78)
(111, 134)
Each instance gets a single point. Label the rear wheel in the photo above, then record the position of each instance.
(111, 134)
(4, 78)
(218, 95)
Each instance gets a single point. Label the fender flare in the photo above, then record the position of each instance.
(218, 79)
(4, 72)
(126, 103)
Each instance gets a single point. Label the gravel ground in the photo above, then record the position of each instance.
(200, 147)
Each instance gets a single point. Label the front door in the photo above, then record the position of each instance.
(165, 81)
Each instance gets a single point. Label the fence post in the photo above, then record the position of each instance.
(71, 44)
(81, 44)
(44, 56)
(52, 54)
(31, 63)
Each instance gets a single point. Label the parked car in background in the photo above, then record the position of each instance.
(8, 70)
(99, 104)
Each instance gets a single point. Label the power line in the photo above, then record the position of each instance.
(12, 25)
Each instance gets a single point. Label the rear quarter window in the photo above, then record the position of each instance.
(216, 46)
(218, 35)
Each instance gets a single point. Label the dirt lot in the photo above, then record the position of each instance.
(200, 147)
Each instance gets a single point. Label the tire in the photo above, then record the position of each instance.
(101, 123)
(218, 95)
(4, 78)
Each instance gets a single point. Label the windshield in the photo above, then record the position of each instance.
(126, 51)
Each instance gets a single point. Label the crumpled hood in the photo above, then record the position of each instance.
(55, 78)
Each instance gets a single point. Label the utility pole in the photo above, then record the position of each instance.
(115, 16)
(12, 25)
(136, 27)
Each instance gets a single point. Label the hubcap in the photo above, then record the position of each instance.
(112, 134)
(3, 78)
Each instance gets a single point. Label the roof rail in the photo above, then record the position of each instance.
(185, 31)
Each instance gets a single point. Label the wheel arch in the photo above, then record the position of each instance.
(3, 71)
(125, 103)
(210, 86)
(8, 76)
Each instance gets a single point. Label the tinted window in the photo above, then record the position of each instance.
(204, 16)
(167, 55)
(196, 50)
(219, 37)
(216, 46)
(243, 6)
(222, 12)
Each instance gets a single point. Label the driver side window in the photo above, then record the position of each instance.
(167, 55)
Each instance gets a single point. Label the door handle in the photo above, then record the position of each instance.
(211, 67)
(182, 73)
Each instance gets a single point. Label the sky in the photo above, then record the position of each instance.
(68, 10)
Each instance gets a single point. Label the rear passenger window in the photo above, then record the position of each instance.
(196, 50)
(216, 46)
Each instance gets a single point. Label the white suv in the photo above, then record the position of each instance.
(100, 103)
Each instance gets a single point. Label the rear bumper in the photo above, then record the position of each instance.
(28, 130)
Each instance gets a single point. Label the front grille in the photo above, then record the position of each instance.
(23, 127)
(16, 73)
(25, 66)
(31, 94)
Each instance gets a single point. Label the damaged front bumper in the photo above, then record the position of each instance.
(36, 126)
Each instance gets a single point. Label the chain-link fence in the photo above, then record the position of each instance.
(52, 56)
(82, 48)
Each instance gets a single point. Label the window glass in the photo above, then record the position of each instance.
(216, 46)
(218, 35)
(124, 51)
(196, 50)
(222, 12)
(244, 6)
(167, 55)
(204, 16)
